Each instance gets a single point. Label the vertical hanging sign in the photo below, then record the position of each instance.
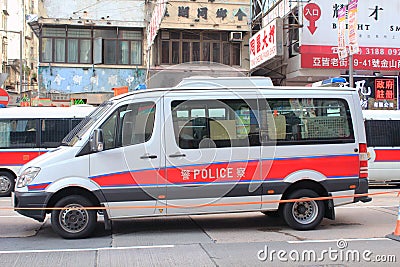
(353, 42)
(342, 51)
(156, 18)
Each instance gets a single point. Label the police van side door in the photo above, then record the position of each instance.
(127, 170)
(212, 152)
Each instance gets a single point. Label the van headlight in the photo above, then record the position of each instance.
(27, 176)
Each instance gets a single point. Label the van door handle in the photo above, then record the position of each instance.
(148, 157)
(177, 155)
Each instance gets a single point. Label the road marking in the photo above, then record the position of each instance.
(83, 249)
(12, 216)
(370, 206)
(335, 240)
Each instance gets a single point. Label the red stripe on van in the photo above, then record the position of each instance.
(38, 186)
(387, 154)
(17, 157)
(331, 166)
(144, 177)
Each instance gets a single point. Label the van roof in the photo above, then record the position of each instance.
(218, 83)
(381, 114)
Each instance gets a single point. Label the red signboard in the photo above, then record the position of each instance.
(4, 97)
(369, 58)
(384, 89)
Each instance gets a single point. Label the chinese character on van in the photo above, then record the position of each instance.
(206, 146)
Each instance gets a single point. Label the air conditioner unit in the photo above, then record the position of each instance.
(294, 49)
(236, 37)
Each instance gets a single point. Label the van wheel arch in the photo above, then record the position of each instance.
(316, 187)
(72, 191)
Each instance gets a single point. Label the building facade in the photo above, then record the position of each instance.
(19, 46)
(202, 37)
(89, 47)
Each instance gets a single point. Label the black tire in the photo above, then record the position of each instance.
(74, 223)
(303, 215)
(7, 183)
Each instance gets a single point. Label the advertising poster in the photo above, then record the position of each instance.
(352, 21)
(342, 50)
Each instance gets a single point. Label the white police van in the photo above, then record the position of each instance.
(383, 138)
(208, 145)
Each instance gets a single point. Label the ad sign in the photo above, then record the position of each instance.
(353, 24)
(373, 29)
(342, 49)
(377, 92)
(266, 44)
(156, 18)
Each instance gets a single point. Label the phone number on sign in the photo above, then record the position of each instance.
(379, 51)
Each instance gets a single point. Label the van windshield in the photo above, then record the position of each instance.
(85, 124)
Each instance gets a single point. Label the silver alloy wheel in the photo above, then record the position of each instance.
(73, 218)
(305, 212)
(5, 184)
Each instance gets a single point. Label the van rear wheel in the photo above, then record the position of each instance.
(7, 183)
(303, 215)
(72, 220)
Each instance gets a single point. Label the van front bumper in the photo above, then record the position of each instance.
(31, 204)
(362, 189)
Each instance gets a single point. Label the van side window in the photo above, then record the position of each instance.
(129, 125)
(305, 121)
(215, 123)
(137, 123)
(18, 133)
(109, 128)
(383, 133)
(53, 131)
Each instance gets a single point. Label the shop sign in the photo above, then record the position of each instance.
(377, 92)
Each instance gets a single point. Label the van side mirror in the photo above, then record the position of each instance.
(97, 141)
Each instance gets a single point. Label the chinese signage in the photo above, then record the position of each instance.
(377, 92)
(280, 8)
(374, 29)
(266, 44)
(214, 14)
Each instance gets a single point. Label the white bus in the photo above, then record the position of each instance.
(383, 140)
(211, 145)
(27, 132)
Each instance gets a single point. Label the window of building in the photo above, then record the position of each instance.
(180, 47)
(116, 46)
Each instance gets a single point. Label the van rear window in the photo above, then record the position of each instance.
(384, 133)
(305, 121)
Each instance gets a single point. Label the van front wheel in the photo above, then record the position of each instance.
(303, 215)
(6, 184)
(72, 220)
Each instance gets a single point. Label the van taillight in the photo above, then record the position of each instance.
(363, 161)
